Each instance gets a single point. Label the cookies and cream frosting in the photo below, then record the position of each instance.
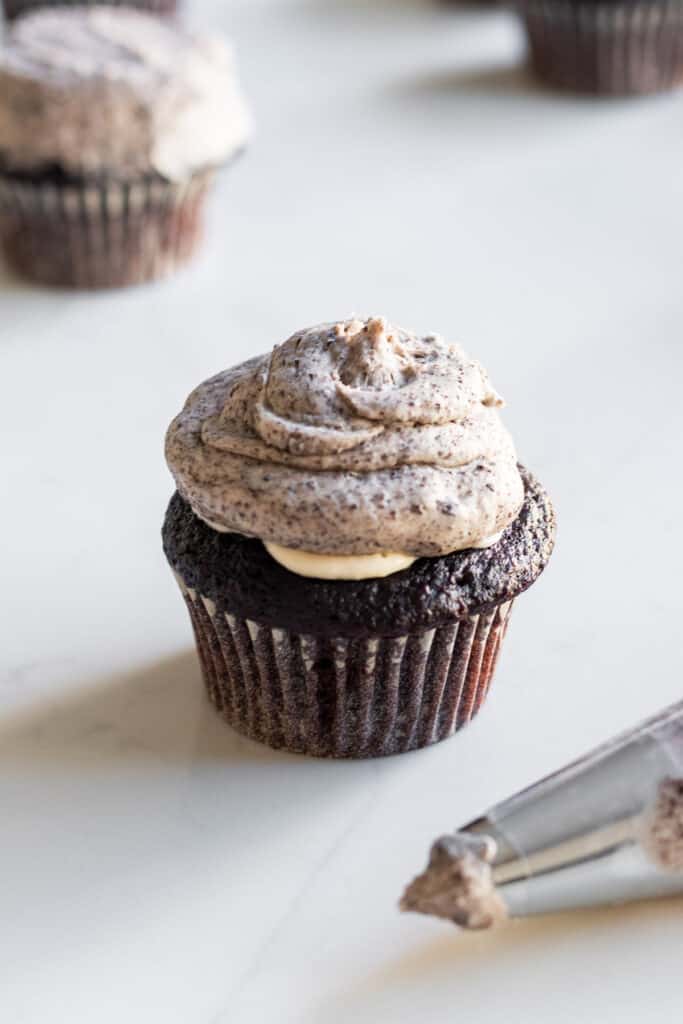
(110, 89)
(350, 439)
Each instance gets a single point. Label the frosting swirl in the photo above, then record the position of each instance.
(96, 89)
(351, 438)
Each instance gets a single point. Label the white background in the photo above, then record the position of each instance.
(157, 869)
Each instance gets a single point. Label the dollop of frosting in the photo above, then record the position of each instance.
(351, 438)
(97, 89)
(339, 567)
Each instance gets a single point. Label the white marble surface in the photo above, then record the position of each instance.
(156, 869)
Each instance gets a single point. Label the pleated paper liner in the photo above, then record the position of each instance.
(15, 8)
(106, 234)
(605, 48)
(342, 697)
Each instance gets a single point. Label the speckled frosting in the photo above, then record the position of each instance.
(97, 90)
(350, 438)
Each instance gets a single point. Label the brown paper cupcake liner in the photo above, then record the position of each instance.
(100, 235)
(605, 48)
(15, 8)
(345, 697)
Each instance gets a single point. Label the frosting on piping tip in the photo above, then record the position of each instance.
(109, 89)
(351, 438)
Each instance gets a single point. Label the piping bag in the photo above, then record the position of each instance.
(606, 829)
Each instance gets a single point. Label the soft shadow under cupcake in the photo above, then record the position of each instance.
(155, 713)
(499, 80)
(10, 281)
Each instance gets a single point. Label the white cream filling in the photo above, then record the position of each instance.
(339, 567)
(342, 567)
(350, 567)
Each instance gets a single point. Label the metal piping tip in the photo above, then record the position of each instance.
(606, 829)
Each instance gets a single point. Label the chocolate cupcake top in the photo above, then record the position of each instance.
(97, 90)
(350, 439)
(238, 575)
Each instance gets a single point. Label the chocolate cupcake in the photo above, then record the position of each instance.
(605, 47)
(350, 530)
(112, 126)
(17, 8)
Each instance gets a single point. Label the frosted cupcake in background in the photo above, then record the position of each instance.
(17, 8)
(113, 124)
(605, 47)
(349, 532)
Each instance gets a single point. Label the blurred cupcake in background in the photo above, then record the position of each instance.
(349, 532)
(605, 47)
(16, 8)
(112, 126)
